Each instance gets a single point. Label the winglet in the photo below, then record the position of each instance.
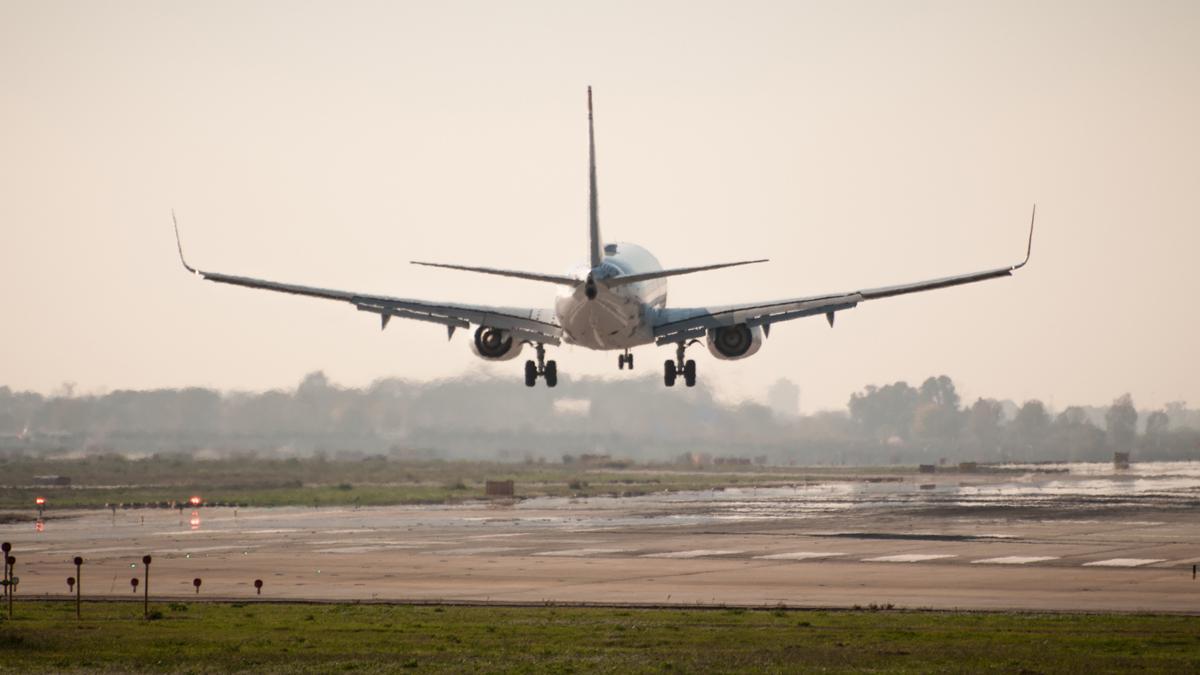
(1029, 247)
(179, 245)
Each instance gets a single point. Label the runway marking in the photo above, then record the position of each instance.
(1014, 560)
(910, 557)
(1123, 562)
(496, 536)
(366, 548)
(799, 555)
(582, 552)
(474, 551)
(698, 553)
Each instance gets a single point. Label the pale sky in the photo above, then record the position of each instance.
(856, 144)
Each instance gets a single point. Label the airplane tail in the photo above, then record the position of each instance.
(595, 244)
(596, 247)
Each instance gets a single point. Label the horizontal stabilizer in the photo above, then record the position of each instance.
(635, 278)
(532, 276)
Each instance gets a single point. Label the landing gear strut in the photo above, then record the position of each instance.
(544, 368)
(673, 369)
(623, 359)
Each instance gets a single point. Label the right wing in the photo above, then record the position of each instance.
(536, 325)
(676, 325)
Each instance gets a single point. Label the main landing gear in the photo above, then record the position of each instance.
(623, 359)
(544, 368)
(673, 369)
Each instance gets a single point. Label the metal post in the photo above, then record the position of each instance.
(11, 562)
(78, 585)
(146, 588)
(5, 548)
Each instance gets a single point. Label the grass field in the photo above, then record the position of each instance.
(260, 637)
(374, 481)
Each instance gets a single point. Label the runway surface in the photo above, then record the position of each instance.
(1092, 539)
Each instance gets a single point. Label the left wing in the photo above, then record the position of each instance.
(675, 325)
(536, 325)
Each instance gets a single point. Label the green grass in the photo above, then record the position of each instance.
(224, 637)
(374, 481)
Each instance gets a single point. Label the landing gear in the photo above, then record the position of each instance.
(547, 369)
(623, 359)
(673, 369)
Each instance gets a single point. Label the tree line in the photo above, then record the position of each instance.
(481, 417)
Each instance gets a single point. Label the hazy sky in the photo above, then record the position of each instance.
(853, 143)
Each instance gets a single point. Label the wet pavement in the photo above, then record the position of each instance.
(1069, 537)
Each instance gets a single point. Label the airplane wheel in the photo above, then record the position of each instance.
(669, 373)
(629, 360)
(530, 373)
(551, 373)
(620, 362)
(689, 373)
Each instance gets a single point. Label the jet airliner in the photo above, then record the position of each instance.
(615, 300)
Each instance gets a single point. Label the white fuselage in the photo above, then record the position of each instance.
(617, 318)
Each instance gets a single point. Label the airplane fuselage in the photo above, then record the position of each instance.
(616, 318)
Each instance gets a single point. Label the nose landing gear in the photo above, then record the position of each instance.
(543, 368)
(623, 359)
(673, 369)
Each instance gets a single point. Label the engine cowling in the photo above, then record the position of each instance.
(734, 342)
(494, 344)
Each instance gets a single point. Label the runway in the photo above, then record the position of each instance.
(1088, 540)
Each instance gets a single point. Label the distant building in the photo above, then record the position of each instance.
(52, 480)
(498, 488)
(783, 398)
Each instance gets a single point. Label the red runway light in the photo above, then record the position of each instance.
(195, 501)
(40, 501)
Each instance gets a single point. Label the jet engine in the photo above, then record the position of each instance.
(494, 344)
(734, 342)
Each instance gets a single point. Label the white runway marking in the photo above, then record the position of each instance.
(366, 548)
(698, 553)
(482, 550)
(909, 557)
(1123, 562)
(582, 552)
(799, 555)
(1014, 560)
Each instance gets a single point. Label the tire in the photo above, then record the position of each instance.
(530, 373)
(669, 373)
(551, 373)
(629, 360)
(689, 373)
(620, 362)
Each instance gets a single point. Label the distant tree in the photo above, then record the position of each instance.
(940, 391)
(885, 411)
(937, 418)
(1028, 429)
(1158, 423)
(984, 424)
(1158, 426)
(1074, 434)
(1121, 424)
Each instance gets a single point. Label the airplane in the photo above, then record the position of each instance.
(616, 300)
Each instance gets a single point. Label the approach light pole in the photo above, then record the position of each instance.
(146, 587)
(78, 585)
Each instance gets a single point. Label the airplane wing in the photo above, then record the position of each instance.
(675, 325)
(536, 325)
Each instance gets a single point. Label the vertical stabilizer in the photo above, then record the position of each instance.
(595, 246)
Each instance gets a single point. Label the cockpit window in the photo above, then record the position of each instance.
(610, 249)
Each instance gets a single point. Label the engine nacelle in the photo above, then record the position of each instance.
(493, 344)
(734, 342)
